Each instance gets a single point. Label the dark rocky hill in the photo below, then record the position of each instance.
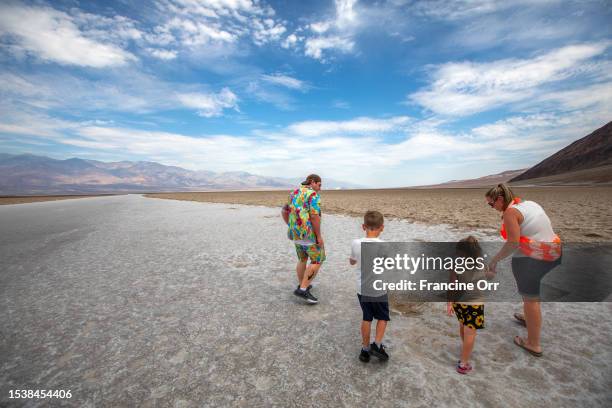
(590, 152)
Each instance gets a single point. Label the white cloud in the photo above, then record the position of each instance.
(52, 35)
(290, 41)
(362, 125)
(346, 16)
(532, 132)
(525, 26)
(596, 95)
(270, 94)
(286, 81)
(192, 33)
(38, 125)
(117, 29)
(511, 127)
(210, 105)
(336, 155)
(333, 34)
(198, 24)
(17, 84)
(125, 91)
(171, 146)
(462, 88)
(162, 54)
(215, 8)
(320, 27)
(75, 37)
(267, 30)
(314, 47)
(340, 104)
(460, 9)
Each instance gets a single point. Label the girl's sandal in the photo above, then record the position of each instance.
(463, 369)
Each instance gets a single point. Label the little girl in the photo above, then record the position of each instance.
(467, 305)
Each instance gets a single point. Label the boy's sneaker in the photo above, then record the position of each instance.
(463, 369)
(379, 351)
(364, 356)
(306, 295)
(308, 288)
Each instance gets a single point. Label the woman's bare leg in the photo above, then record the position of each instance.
(533, 320)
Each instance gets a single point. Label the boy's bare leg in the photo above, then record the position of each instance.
(468, 344)
(300, 268)
(311, 272)
(461, 331)
(381, 325)
(365, 333)
(533, 320)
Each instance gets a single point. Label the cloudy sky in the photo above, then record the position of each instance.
(380, 93)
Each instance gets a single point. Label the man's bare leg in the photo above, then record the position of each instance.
(311, 272)
(300, 268)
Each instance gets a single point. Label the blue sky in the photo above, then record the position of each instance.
(379, 93)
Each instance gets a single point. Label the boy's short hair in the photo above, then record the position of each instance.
(373, 220)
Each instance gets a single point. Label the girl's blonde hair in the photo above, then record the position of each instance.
(501, 190)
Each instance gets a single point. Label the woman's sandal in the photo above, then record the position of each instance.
(520, 319)
(521, 343)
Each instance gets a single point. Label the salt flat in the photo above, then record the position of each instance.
(133, 301)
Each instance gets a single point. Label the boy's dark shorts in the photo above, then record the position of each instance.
(375, 307)
(528, 273)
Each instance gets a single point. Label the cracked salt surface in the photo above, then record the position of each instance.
(130, 301)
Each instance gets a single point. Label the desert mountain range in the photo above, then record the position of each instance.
(587, 161)
(27, 174)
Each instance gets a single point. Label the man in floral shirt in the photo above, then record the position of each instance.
(302, 213)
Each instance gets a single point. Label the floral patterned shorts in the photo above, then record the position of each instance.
(470, 315)
(314, 252)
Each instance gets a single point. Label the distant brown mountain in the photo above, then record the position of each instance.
(27, 174)
(485, 181)
(586, 161)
